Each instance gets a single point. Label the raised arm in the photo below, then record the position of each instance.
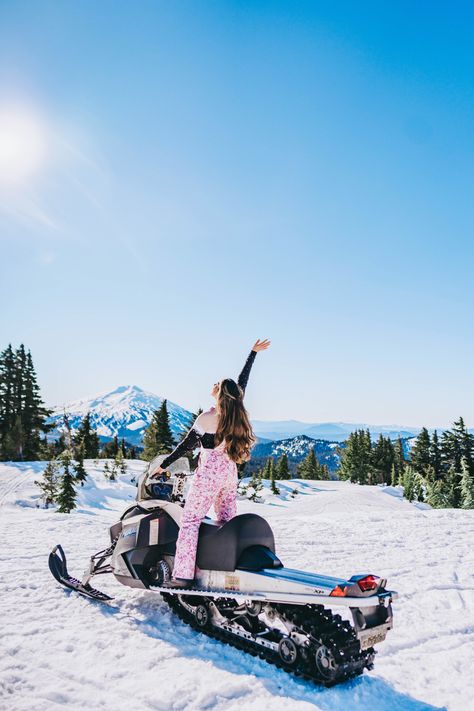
(244, 375)
(245, 372)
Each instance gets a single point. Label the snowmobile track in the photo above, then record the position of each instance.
(314, 620)
(12, 484)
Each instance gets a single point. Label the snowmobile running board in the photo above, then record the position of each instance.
(384, 598)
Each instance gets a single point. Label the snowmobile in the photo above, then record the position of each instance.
(317, 627)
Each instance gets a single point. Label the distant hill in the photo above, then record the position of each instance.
(331, 431)
(296, 448)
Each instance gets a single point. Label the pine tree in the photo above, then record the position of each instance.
(120, 463)
(398, 462)
(133, 452)
(394, 475)
(457, 444)
(282, 470)
(356, 457)
(49, 483)
(254, 488)
(420, 455)
(79, 469)
(324, 473)
(7, 407)
(158, 438)
(165, 436)
(68, 435)
(309, 468)
(88, 437)
(273, 486)
(452, 486)
(435, 457)
(266, 471)
(467, 486)
(437, 495)
(66, 498)
(409, 484)
(106, 470)
(381, 460)
(59, 445)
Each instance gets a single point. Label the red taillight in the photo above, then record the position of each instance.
(338, 591)
(370, 582)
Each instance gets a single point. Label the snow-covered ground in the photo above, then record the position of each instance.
(58, 649)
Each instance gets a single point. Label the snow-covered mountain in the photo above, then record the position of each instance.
(125, 412)
(296, 448)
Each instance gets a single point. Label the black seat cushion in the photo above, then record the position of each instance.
(220, 546)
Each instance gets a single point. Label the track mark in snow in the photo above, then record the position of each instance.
(12, 484)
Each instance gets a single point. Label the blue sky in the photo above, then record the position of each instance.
(199, 174)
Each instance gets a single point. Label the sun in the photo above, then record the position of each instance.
(22, 145)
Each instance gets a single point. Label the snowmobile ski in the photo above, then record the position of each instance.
(58, 567)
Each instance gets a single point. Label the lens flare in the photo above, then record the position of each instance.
(22, 145)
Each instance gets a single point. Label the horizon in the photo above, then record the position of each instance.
(178, 180)
(394, 425)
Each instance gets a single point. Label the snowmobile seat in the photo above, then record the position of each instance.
(221, 547)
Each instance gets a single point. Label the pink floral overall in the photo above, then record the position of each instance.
(214, 482)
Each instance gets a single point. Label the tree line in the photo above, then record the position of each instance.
(438, 471)
(23, 416)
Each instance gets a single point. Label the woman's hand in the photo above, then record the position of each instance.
(261, 345)
(157, 473)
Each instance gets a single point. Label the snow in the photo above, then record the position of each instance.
(59, 650)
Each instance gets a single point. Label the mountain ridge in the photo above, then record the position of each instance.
(127, 410)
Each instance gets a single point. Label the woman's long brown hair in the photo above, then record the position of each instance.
(233, 424)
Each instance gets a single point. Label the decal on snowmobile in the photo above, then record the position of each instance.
(129, 532)
(153, 534)
(232, 582)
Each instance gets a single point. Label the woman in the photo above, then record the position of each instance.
(225, 435)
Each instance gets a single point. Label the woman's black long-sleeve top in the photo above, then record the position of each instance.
(196, 435)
